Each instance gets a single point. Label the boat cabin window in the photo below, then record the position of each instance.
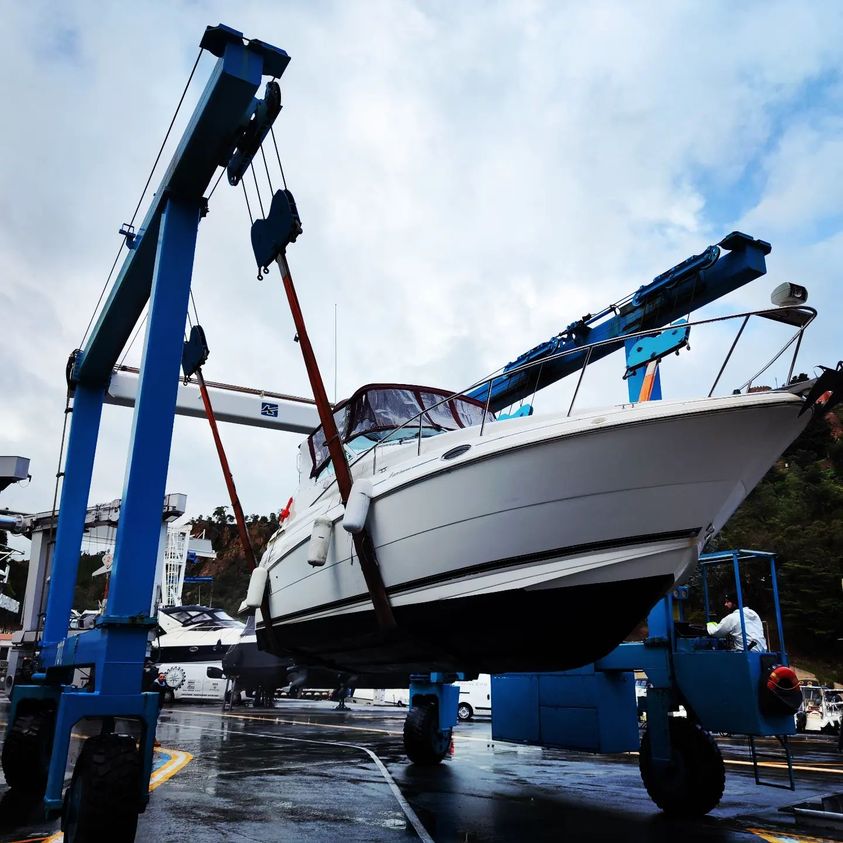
(376, 411)
(202, 617)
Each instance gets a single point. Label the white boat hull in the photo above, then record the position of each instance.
(539, 548)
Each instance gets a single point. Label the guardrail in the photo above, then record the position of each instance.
(799, 316)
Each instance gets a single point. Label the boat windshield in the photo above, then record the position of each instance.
(376, 410)
(202, 617)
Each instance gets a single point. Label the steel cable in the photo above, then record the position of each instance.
(132, 341)
(166, 136)
(143, 193)
(280, 165)
(257, 189)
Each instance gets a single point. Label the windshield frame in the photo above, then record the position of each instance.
(359, 416)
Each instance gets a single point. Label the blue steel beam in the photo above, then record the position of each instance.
(208, 142)
(146, 469)
(158, 268)
(78, 465)
(694, 283)
(136, 547)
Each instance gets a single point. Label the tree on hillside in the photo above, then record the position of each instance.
(797, 512)
(229, 570)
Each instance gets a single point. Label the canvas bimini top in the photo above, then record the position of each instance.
(376, 410)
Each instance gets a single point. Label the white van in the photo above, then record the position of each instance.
(189, 681)
(382, 696)
(475, 697)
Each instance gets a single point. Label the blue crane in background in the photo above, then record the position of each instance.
(688, 286)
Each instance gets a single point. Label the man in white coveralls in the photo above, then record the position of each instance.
(730, 627)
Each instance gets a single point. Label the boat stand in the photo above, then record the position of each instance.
(722, 690)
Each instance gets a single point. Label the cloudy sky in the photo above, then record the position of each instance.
(471, 176)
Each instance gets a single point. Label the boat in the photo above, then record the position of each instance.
(821, 709)
(195, 633)
(189, 640)
(527, 544)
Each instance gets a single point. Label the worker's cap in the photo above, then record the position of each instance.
(728, 597)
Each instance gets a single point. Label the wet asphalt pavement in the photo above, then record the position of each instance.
(301, 772)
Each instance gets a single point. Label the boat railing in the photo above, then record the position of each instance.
(799, 316)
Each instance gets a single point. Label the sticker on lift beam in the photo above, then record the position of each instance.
(269, 409)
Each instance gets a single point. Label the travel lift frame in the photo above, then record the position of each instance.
(593, 708)
(111, 777)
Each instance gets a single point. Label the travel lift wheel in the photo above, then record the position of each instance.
(27, 749)
(692, 784)
(424, 742)
(103, 800)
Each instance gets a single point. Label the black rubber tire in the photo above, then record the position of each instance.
(464, 711)
(103, 800)
(693, 784)
(27, 750)
(424, 742)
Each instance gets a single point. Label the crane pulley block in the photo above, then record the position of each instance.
(195, 351)
(254, 132)
(271, 236)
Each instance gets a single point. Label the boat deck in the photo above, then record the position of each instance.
(305, 772)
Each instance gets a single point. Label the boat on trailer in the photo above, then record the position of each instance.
(499, 542)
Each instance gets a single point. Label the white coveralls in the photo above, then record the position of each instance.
(730, 627)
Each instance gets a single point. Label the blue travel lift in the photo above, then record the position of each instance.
(593, 709)
(110, 779)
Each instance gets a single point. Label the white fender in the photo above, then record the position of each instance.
(320, 542)
(257, 587)
(357, 508)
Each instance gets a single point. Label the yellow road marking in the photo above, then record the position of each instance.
(178, 760)
(786, 837)
(779, 765)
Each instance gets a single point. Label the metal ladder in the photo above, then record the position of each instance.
(228, 693)
(754, 754)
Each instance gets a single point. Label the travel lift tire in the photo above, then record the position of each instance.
(103, 799)
(27, 750)
(693, 784)
(424, 742)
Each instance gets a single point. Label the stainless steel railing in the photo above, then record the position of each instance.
(799, 316)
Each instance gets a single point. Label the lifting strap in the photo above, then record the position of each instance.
(193, 358)
(270, 238)
(363, 544)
